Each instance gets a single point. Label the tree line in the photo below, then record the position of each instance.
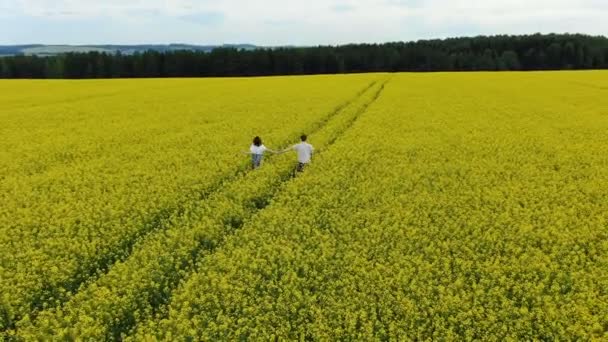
(482, 53)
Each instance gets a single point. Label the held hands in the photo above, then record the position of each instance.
(269, 150)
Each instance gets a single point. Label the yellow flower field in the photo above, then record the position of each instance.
(441, 206)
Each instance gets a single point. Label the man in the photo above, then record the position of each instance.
(304, 151)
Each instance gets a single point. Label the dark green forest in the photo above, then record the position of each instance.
(482, 53)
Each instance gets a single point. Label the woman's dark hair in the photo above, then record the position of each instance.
(257, 141)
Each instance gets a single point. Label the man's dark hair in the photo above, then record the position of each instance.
(257, 141)
(303, 137)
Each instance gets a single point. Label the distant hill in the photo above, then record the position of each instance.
(9, 50)
(52, 50)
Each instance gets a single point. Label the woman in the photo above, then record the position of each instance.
(257, 150)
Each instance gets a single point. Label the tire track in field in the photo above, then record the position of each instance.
(156, 298)
(158, 221)
(19, 105)
(360, 112)
(589, 85)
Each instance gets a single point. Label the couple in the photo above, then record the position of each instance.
(303, 149)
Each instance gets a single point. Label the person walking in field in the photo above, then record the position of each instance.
(304, 151)
(257, 150)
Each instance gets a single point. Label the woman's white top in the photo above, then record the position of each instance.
(257, 149)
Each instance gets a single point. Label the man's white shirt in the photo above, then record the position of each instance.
(304, 151)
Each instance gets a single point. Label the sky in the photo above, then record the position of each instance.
(288, 22)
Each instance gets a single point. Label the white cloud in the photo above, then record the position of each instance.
(274, 22)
